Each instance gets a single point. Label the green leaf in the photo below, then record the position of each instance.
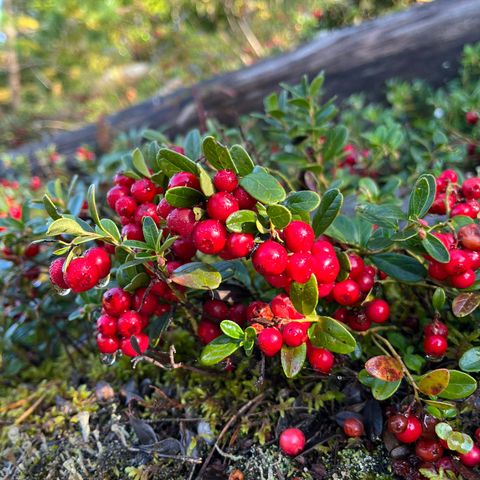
(249, 340)
(435, 248)
(139, 163)
(198, 275)
(140, 280)
(443, 430)
(263, 187)
(328, 210)
(438, 298)
(66, 226)
(174, 162)
(292, 359)
(461, 386)
(385, 368)
(218, 349)
(334, 143)
(304, 296)
(434, 382)
(243, 163)
(399, 266)
(422, 196)
(459, 442)
(232, 329)
(242, 221)
(470, 360)
(150, 232)
(181, 197)
(206, 183)
(380, 390)
(465, 303)
(386, 216)
(414, 362)
(332, 335)
(51, 208)
(92, 205)
(279, 215)
(302, 201)
(110, 227)
(217, 155)
(193, 144)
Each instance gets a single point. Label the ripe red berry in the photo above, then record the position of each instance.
(81, 274)
(270, 341)
(208, 331)
(164, 208)
(115, 193)
(209, 236)
(143, 302)
(123, 180)
(299, 266)
(435, 345)
(35, 183)
(32, 250)
(357, 266)
(270, 258)
(129, 324)
(244, 199)
(184, 248)
(469, 236)
(323, 247)
(56, 273)
(282, 307)
(436, 328)
(358, 320)
(341, 314)
(294, 334)
(125, 206)
(292, 441)
(259, 309)
(397, 423)
(471, 117)
(146, 210)
(116, 301)
(428, 449)
(238, 313)
(365, 282)
(472, 458)
(100, 258)
(464, 209)
(412, 431)
(239, 244)
(346, 292)
(353, 427)
(184, 179)
(221, 205)
(225, 181)
(325, 289)
(298, 236)
(133, 231)
(181, 221)
(459, 262)
(320, 359)
(377, 310)
(107, 325)
(463, 280)
(127, 348)
(215, 309)
(107, 344)
(278, 281)
(437, 271)
(143, 190)
(471, 188)
(326, 267)
(439, 205)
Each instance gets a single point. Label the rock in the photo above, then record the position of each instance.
(104, 392)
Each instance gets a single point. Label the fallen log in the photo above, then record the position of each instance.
(424, 41)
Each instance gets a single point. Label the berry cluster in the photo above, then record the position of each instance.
(464, 251)
(454, 199)
(435, 342)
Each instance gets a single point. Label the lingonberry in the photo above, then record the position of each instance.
(116, 301)
(142, 343)
(436, 328)
(299, 266)
(469, 236)
(164, 208)
(477, 435)
(259, 309)
(270, 258)
(184, 248)
(365, 282)
(323, 247)
(100, 258)
(238, 313)
(377, 310)
(244, 199)
(115, 193)
(464, 209)
(369, 270)
(298, 236)
(181, 221)
(278, 281)
(353, 427)
(123, 180)
(428, 449)
(294, 334)
(397, 423)
(472, 458)
(282, 307)
(215, 309)
(471, 117)
(107, 325)
(146, 210)
(463, 280)
(56, 273)
(446, 238)
(81, 274)
(270, 341)
(209, 236)
(471, 188)
(144, 301)
(221, 205)
(225, 181)
(346, 292)
(162, 308)
(208, 331)
(129, 323)
(184, 179)
(239, 244)
(358, 320)
(133, 231)
(341, 314)
(325, 267)
(412, 431)
(159, 287)
(437, 271)
(106, 344)
(320, 359)
(35, 182)
(125, 206)
(325, 289)
(357, 265)
(292, 441)
(439, 205)
(32, 250)
(459, 262)
(143, 190)
(435, 345)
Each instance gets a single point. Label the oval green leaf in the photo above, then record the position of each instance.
(399, 266)
(242, 160)
(422, 195)
(304, 296)
(434, 382)
(435, 248)
(329, 333)
(470, 360)
(279, 215)
(197, 275)
(181, 197)
(292, 359)
(302, 201)
(232, 329)
(242, 221)
(218, 349)
(263, 187)
(173, 162)
(461, 386)
(328, 210)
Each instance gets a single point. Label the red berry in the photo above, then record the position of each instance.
(447, 239)
(323, 247)
(325, 289)
(210, 236)
(164, 208)
(320, 359)
(133, 231)
(358, 320)
(123, 180)
(159, 287)
(412, 431)
(216, 309)
(464, 209)
(463, 280)
(474, 258)
(365, 282)
(238, 313)
(81, 274)
(450, 175)
(326, 267)
(397, 423)
(436, 328)
(459, 262)
(184, 248)
(225, 181)
(56, 273)
(35, 183)
(435, 345)
(244, 199)
(107, 325)
(100, 258)
(472, 458)
(221, 205)
(377, 310)
(471, 188)
(357, 266)
(127, 348)
(278, 281)
(143, 302)
(208, 331)
(282, 307)
(143, 190)
(270, 341)
(162, 308)
(346, 292)
(107, 344)
(146, 210)
(471, 117)
(299, 267)
(259, 309)
(428, 449)
(353, 427)
(294, 334)
(181, 221)
(115, 193)
(341, 314)
(184, 179)
(439, 205)
(270, 258)
(239, 244)
(469, 236)
(437, 271)
(292, 441)
(129, 324)
(116, 301)
(298, 236)
(32, 250)
(125, 206)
